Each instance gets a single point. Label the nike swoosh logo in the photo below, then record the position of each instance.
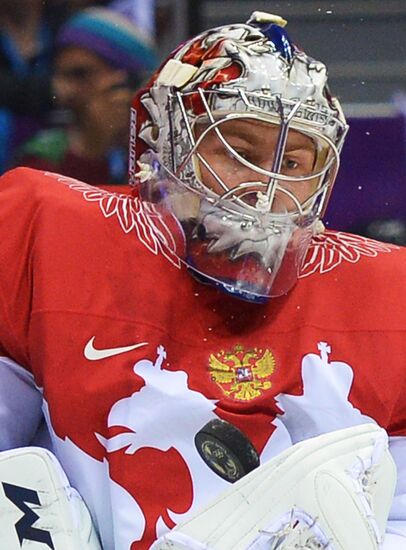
(93, 354)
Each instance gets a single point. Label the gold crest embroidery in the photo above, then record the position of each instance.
(242, 375)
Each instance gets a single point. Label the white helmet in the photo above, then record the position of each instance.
(238, 138)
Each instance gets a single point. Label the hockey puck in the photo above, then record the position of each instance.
(226, 450)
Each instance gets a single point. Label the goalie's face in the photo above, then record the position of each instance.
(223, 149)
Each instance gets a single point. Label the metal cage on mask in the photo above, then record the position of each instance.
(222, 105)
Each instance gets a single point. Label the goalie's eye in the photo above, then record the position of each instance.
(290, 164)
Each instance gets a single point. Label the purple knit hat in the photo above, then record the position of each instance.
(112, 36)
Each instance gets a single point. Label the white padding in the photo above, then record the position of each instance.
(333, 491)
(38, 507)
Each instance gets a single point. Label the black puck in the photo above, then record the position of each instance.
(226, 450)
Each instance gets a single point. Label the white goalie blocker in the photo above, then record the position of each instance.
(38, 507)
(330, 492)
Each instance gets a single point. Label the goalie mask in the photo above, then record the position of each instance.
(237, 139)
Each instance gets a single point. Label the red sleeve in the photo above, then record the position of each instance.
(19, 207)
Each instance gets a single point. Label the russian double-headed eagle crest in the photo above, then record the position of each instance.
(242, 375)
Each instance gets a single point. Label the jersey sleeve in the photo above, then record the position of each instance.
(19, 207)
(20, 400)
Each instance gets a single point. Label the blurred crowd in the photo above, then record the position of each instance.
(69, 69)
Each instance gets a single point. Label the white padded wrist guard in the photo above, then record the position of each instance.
(38, 507)
(329, 492)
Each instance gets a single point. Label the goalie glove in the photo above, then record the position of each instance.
(329, 492)
(38, 507)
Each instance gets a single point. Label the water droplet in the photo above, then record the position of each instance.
(196, 294)
(297, 307)
(367, 133)
(359, 187)
(362, 82)
(329, 11)
(204, 339)
(209, 328)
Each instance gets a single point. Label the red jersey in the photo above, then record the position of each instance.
(133, 357)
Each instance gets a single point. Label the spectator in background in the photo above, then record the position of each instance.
(100, 60)
(26, 38)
